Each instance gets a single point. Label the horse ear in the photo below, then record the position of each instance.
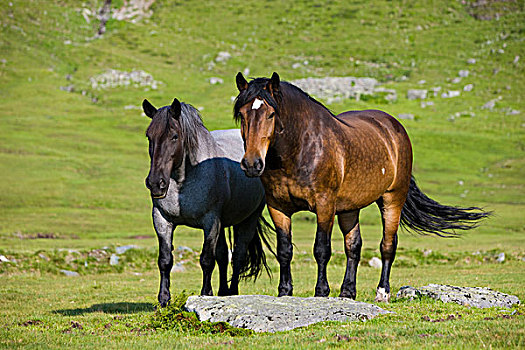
(273, 84)
(242, 84)
(175, 109)
(148, 108)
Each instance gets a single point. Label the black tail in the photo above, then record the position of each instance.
(423, 215)
(255, 257)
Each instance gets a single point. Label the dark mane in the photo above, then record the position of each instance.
(190, 122)
(256, 88)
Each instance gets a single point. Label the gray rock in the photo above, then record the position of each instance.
(183, 249)
(501, 257)
(450, 93)
(471, 61)
(468, 87)
(406, 116)
(335, 89)
(113, 260)
(491, 104)
(4, 259)
(264, 313)
(125, 248)
(178, 267)
(512, 112)
(463, 73)
(43, 257)
(456, 80)
(467, 296)
(375, 262)
(70, 273)
(223, 56)
(113, 78)
(215, 80)
(415, 94)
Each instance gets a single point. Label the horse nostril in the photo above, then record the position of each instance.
(244, 164)
(258, 164)
(162, 184)
(148, 186)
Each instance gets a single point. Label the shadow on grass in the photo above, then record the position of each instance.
(109, 308)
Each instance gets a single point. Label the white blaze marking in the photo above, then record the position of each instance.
(383, 171)
(257, 103)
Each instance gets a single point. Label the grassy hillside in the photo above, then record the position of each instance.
(73, 163)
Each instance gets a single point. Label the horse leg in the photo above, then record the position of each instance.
(349, 225)
(282, 223)
(390, 207)
(212, 228)
(323, 248)
(221, 256)
(164, 230)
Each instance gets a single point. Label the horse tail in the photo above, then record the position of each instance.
(423, 215)
(255, 261)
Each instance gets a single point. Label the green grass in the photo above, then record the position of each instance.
(73, 169)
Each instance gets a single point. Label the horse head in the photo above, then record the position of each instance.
(166, 149)
(256, 109)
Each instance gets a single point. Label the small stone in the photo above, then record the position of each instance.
(501, 257)
(246, 71)
(450, 94)
(183, 249)
(113, 260)
(415, 94)
(460, 182)
(424, 104)
(516, 59)
(4, 259)
(375, 262)
(70, 273)
(421, 82)
(456, 80)
(406, 116)
(43, 257)
(490, 104)
(215, 80)
(427, 252)
(125, 248)
(512, 112)
(468, 87)
(69, 88)
(463, 73)
(223, 56)
(471, 61)
(178, 267)
(296, 65)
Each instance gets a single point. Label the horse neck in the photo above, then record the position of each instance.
(299, 115)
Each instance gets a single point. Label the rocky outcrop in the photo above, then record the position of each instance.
(263, 313)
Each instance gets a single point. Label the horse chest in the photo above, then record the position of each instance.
(286, 193)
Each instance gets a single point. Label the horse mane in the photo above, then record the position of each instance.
(256, 88)
(190, 122)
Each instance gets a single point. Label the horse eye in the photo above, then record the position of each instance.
(175, 137)
(271, 115)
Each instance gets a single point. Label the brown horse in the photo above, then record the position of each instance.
(310, 159)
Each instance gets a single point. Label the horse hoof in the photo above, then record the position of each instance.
(382, 296)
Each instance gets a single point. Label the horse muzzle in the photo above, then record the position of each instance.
(254, 169)
(158, 189)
